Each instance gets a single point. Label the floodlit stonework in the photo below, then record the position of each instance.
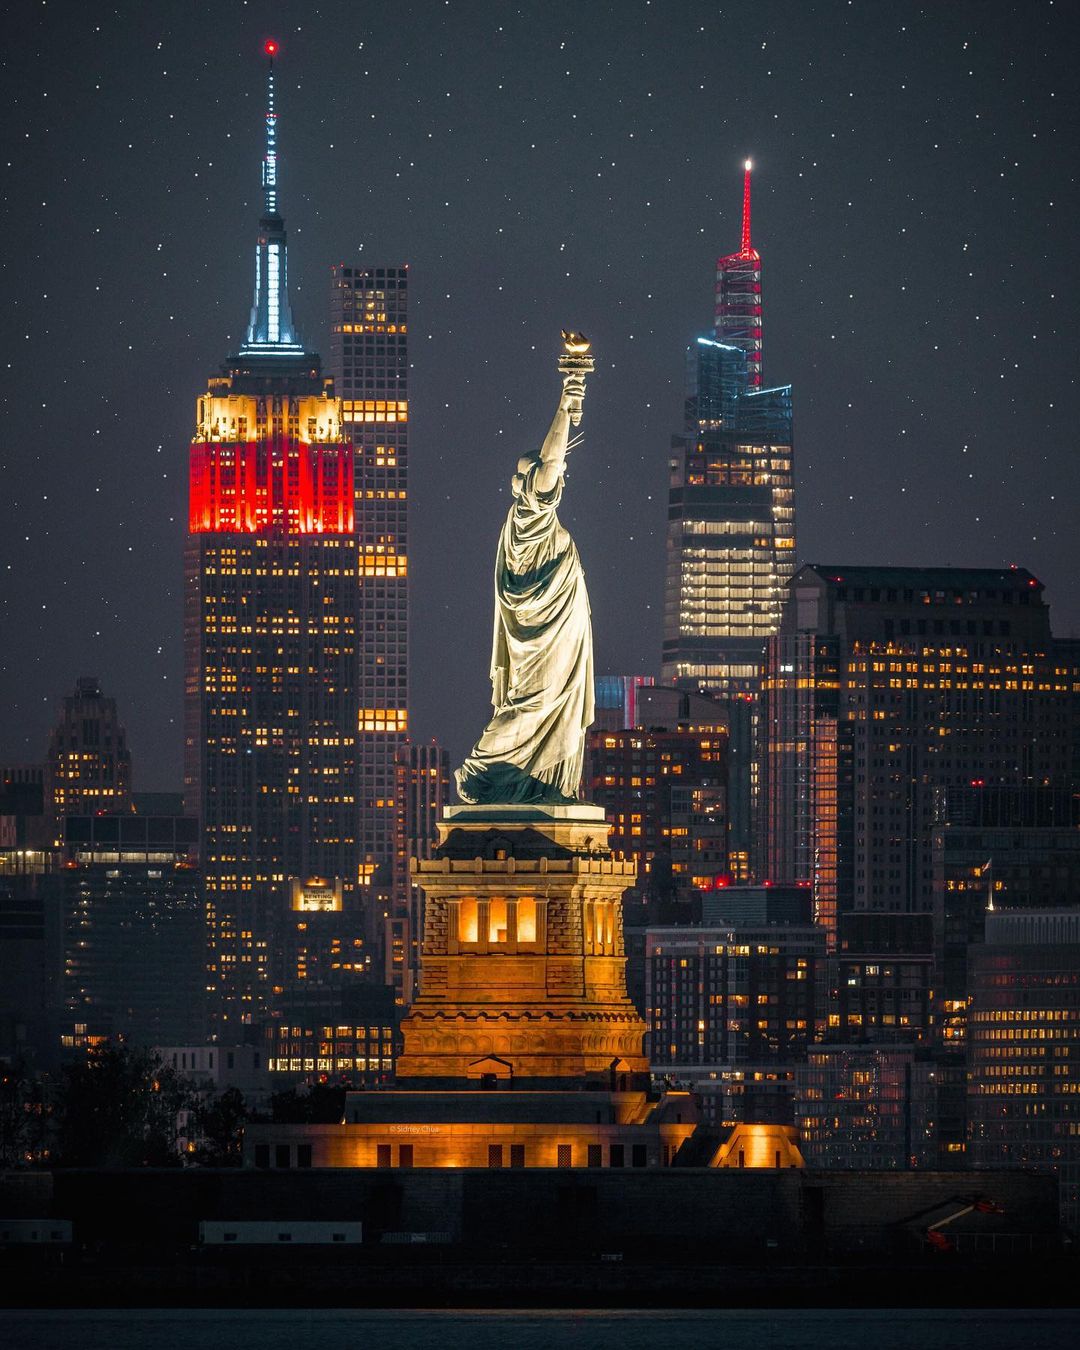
(523, 966)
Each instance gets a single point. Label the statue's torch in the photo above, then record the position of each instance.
(574, 364)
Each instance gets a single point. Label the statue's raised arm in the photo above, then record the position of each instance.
(541, 658)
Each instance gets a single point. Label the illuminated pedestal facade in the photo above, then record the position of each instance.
(523, 970)
(522, 1048)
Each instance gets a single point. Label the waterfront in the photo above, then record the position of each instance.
(559, 1329)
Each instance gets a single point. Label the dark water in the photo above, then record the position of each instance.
(817, 1329)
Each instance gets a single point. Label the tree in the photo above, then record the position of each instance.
(219, 1127)
(119, 1108)
(320, 1105)
(25, 1116)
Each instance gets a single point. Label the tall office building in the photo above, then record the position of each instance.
(421, 793)
(995, 848)
(886, 688)
(271, 632)
(727, 995)
(853, 1106)
(663, 787)
(88, 765)
(133, 931)
(369, 360)
(882, 979)
(731, 523)
(31, 920)
(24, 812)
(1023, 1053)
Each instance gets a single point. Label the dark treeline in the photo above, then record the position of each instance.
(124, 1107)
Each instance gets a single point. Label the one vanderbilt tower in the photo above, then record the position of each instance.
(731, 523)
(271, 621)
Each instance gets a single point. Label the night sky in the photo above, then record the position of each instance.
(538, 166)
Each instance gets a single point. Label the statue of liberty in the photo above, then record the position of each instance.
(541, 656)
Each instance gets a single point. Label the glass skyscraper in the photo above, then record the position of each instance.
(731, 526)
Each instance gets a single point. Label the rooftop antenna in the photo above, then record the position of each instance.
(269, 169)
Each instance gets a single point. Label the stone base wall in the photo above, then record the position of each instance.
(548, 1000)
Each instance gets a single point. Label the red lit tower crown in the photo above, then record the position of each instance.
(738, 295)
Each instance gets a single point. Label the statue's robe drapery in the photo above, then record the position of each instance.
(541, 661)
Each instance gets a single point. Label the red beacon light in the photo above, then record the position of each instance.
(270, 47)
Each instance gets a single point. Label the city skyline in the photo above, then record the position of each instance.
(891, 409)
(737, 964)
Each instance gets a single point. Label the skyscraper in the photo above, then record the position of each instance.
(663, 786)
(886, 689)
(369, 361)
(421, 793)
(995, 848)
(1024, 1049)
(31, 919)
(731, 525)
(731, 522)
(271, 632)
(88, 765)
(729, 995)
(133, 931)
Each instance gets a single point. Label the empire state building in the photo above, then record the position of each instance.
(271, 630)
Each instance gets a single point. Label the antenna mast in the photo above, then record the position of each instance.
(269, 170)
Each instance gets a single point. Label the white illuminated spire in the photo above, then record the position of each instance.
(270, 330)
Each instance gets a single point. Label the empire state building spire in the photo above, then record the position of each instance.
(271, 331)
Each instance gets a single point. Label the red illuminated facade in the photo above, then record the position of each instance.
(254, 487)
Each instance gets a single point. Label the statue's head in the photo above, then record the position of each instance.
(525, 463)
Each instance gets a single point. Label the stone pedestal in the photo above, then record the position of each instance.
(523, 965)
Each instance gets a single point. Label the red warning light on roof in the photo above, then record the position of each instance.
(270, 47)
